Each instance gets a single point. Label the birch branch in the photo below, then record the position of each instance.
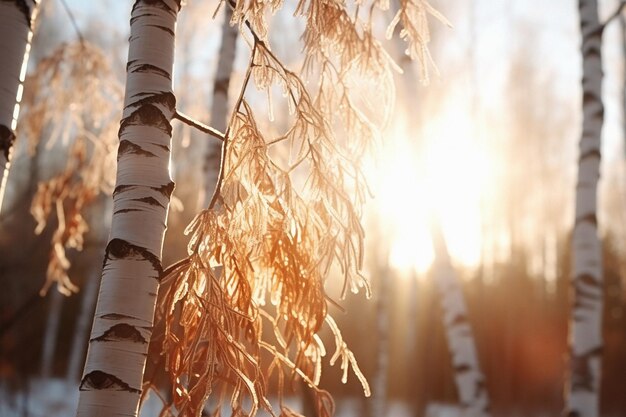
(199, 125)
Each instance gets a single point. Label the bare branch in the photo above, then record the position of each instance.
(79, 34)
(199, 125)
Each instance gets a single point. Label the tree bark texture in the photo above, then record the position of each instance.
(469, 378)
(111, 383)
(585, 338)
(16, 22)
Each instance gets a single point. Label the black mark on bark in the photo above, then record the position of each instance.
(121, 332)
(582, 377)
(99, 380)
(166, 189)
(221, 86)
(24, 8)
(150, 68)
(164, 98)
(121, 188)
(7, 137)
(128, 210)
(589, 218)
(127, 147)
(149, 200)
(161, 4)
(147, 115)
(121, 249)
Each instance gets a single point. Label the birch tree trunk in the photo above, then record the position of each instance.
(16, 23)
(379, 389)
(585, 339)
(111, 383)
(81, 333)
(53, 320)
(219, 106)
(469, 378)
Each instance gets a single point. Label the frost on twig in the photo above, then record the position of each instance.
(286, 212)
(71, 102)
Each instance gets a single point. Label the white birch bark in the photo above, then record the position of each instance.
(585, 339)
(219, 106)
(470, 380)
(16, 22)
(111, 383)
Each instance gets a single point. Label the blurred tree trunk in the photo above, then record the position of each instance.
(219, 107)
(378, 401)
(585, 339)
(123, 321)
(17, 18)
(81, 332)
(53, 320)
(470, 380)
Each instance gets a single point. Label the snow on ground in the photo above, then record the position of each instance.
(58, 398)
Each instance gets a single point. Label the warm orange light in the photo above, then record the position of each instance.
(444, 175)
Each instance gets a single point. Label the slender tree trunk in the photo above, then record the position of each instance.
(469, 378)
(379, 389)
(53, 320)
(111, 383)
(76, 359)
(585, 339)
(219, 107)
(16, 22)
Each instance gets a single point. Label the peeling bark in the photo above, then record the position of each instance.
(470, 380)
(16, 22)
(585, 340)
(132, 268)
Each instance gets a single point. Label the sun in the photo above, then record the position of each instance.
(443, 178)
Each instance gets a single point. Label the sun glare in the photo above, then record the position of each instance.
(443, 176)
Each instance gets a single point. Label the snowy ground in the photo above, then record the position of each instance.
(58, 398)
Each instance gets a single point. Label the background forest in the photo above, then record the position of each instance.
(489, 146)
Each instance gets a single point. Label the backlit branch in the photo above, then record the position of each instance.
(199, 125)
(279, 219)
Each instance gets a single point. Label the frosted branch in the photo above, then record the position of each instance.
(199, 125)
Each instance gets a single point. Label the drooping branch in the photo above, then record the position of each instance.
(268, 236)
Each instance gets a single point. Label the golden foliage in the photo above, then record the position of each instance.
(72, 98)
(276, 226)
(413, 19)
